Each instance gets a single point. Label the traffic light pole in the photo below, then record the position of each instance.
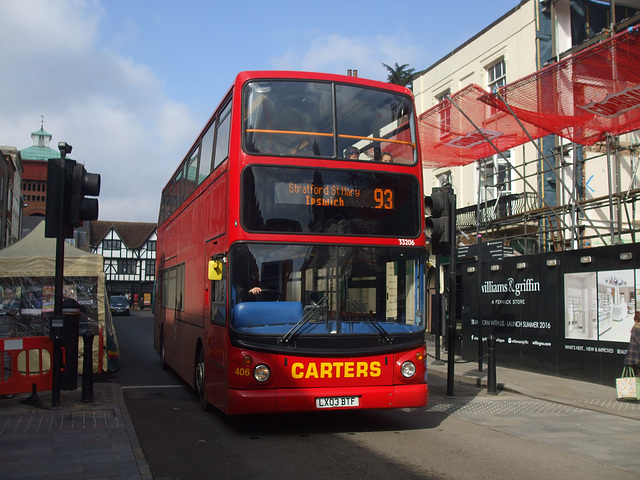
(57, 321)
(451, 324)
(436, 311)
(67, 184)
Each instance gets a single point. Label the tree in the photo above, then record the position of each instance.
(400, 74)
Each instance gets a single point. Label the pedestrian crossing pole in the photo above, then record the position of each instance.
(56, 185)
(451, 332)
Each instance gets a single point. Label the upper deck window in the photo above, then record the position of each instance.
(316, 119)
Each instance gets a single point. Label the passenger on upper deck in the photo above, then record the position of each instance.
(386, 157)
(352, 153)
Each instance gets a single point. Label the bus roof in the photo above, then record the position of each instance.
(242, 77)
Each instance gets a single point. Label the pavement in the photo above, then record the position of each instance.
(96, 440)
(81, 440)
(574, 393)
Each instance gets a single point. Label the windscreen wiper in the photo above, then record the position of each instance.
(388, 339)
(287, 337)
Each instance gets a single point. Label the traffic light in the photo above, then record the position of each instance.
(83, 183)
(67, 184)
(438, 218)
(57, 199)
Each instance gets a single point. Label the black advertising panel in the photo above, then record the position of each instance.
(495, 250)
(600, 289)
(565, 313)
(518, 305)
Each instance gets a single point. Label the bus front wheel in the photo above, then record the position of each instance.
(199, 381)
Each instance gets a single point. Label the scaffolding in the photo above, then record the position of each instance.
(579, 114)
(529, 227)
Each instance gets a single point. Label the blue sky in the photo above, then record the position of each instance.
(129, 84)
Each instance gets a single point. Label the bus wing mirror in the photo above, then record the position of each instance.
(215, 270)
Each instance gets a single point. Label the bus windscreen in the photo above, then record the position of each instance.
(327, 289)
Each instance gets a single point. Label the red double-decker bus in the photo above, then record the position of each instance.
(291, 252)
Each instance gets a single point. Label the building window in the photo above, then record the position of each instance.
(151, 245)
(127, 267)
(444, 114)
(496, 75)
(150, 266)
(111, 244)
(495, 176)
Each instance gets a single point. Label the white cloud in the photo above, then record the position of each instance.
(112, 110)
(337, 53)
(175, 124)
(36, 27)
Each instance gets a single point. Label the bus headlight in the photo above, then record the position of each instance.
(408, 369)
(261, 373)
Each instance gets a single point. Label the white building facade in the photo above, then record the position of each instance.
(528, 37)
(548, 307)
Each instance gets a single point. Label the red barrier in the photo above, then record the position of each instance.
(24, 362)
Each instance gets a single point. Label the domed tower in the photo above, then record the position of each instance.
(34, 177)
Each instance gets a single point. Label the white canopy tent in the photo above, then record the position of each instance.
(27, 273)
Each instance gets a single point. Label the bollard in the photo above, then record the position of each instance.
(71, 324)
(55, 334)
(491, 366)
(87, 367)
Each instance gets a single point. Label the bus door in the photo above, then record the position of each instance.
(168, 314)
(216, 330)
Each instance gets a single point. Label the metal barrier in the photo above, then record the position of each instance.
(25, 363)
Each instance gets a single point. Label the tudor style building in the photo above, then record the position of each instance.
(129, 251)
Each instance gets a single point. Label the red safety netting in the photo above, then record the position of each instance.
(448, 137)
(583, 98)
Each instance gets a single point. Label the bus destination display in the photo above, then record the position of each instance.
(333, 195)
